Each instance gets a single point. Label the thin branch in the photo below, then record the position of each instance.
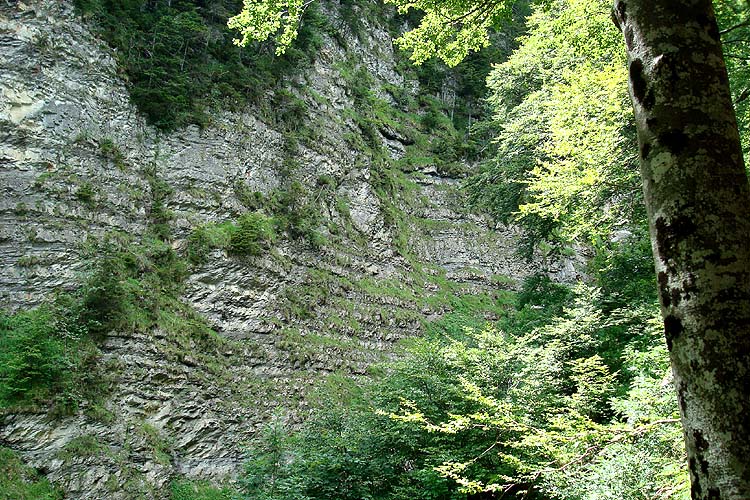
(453, 20)
(743, 24)
(738, 57)
(480, 10)
(743, 96)
(619, 435)
(486, 451)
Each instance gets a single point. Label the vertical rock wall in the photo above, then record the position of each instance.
(175, 410)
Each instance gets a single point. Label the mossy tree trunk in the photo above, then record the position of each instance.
(698, 202)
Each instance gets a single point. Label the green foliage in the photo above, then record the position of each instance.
(648, 460)
(290, 211)
(295, 213)
(540, 291)
(81, 447)
(294, 209)
(338, 456)
(447, 29)
(42, 352)
(625, 269)
(266, 18)
(159, 445)
(565, 126)
(565, 396)
(559, 400)
(19, 482)
(318, 287)
(566, 130)
(732, 16)
(252, 235)
(112, 152)
(264, 479)
(130, 283)
(158, 213)
(206, 237)
(86, 194)
(21, 209)
(451, 29)
(427, 126)
(198, 490)
(287, 111)
(180, 60)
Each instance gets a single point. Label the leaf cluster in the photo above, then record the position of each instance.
(566, 165)
(451, 29)
(734, 25)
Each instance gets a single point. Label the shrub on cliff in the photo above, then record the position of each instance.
(253, 233)
(40, 350)
(19, 482)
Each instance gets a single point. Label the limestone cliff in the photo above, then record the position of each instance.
(77, 160)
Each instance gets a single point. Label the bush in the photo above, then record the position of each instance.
(19, 482)
(296, 215)
(206, 237)
(252, 235)
(129, 283)
(112, 152)
(39, 350)
(159, 215)
(198, 490)
(86, 194)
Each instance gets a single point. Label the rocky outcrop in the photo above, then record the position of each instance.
(73, 152)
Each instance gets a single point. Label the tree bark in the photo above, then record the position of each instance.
(698, 202)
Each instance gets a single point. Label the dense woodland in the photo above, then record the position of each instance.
(566, 395)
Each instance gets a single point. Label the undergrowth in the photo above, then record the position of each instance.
(20, 482)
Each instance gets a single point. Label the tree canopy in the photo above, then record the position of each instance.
(448, 29)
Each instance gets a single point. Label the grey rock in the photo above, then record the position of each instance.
(175, 410)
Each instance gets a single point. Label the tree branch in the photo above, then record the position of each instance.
(484, 8)
(743, 24)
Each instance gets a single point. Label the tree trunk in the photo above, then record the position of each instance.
(698, 202)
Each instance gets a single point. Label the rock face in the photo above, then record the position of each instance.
(73, 152)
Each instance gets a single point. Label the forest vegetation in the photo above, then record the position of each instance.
(568, 394)
(566, 171)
